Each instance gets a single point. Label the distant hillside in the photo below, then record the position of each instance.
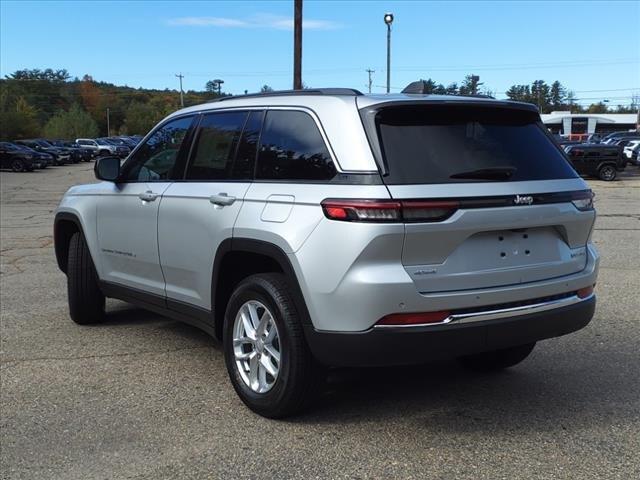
(35, 102)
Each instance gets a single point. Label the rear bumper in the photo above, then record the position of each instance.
(401, 346)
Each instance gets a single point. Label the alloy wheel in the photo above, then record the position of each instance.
(256, 346)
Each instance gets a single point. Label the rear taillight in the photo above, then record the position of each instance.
(388, 211)
(583, 200)
(399, 319)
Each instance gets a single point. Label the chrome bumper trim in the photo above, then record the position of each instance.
(498, 313)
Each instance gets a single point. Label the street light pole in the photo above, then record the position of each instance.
(388, 19)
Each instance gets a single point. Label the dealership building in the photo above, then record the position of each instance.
(567, 123)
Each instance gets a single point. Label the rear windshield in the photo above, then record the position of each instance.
(453, 144)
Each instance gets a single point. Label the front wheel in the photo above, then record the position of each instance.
(607, 173)
(267, 357)
(497, 359)
(17, 165)
(86, 300)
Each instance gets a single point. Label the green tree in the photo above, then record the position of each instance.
(71, 124)
(266, 89)
(470, 85)
(557, 95)
(599, 107)
(18, 121)
(141, 117)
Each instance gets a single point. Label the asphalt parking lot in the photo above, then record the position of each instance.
(144, 397)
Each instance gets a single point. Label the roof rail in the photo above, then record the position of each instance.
(308, 91)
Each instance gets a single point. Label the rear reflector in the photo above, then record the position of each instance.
(414, 318)
(585, 292)
(388, 210)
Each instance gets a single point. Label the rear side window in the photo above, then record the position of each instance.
(292, 148)
(215, 146)
(453, 144)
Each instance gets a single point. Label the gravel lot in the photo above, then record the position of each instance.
(144, 397)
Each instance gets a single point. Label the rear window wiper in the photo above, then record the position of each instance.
(496, 173)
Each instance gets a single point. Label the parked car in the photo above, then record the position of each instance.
(16, 159)
(45, 159)
(616, 135)
(83, 154)
(122, 149)
(102, 147)
(631, 150)
(125, 141)
(597, 160)
(623, 142)
(324, 227)
(61, 156)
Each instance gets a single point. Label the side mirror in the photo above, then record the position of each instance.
(107, 168)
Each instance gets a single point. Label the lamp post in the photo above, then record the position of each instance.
(388, 19)
(218, 84)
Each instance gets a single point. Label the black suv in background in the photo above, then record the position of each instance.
(16, 159)
(76, 151)
(45, 159)
(61, 155)
(596, 160)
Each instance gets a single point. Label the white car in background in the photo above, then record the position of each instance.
(628, 149)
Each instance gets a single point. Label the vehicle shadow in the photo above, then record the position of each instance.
(122, 314)
(543, 393)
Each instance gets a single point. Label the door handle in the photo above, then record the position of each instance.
(148, 196)
(222, 199)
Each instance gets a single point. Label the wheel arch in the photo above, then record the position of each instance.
(238, 258)
(65, 225)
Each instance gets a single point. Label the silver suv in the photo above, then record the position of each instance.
(329, 228)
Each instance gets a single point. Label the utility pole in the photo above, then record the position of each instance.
(180, 76)
(369, 71)
(108, 126)
(297, 44)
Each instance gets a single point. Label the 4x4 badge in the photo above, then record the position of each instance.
(523, 200)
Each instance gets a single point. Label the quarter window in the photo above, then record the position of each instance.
(155, 160)
(291, 148)
(216, 145)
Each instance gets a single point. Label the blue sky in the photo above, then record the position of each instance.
(591, 47)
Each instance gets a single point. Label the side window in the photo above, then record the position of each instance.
(155, 159)
(215, 146)
(246, 157)
(291, 148)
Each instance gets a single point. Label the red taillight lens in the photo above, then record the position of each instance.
(414, 318)
(388, 210)
(585, 292)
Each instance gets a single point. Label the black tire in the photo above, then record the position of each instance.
(607, 173)
(86, 300)
(497, 359)
(299, 375)
(17, 165)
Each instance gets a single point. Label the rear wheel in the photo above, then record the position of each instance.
(86, 300)
(17, 165)
(607, 173)
(497, 359)
(267, 357)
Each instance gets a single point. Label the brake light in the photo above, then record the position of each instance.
(400, 319)
(583, 200)
(388, 211)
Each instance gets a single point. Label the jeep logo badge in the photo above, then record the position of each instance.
(523, 200)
